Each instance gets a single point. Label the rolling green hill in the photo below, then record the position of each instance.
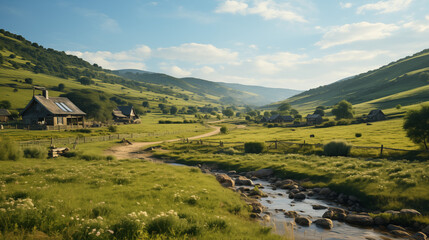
(226, 92)
(402, 82)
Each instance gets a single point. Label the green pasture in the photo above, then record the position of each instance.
(118, 199)
(379, 183)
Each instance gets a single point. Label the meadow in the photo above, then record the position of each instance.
(379, 183)
(118, 199)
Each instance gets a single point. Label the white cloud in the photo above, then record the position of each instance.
(124, 59)
(176, 71)
(197, 53)
(350, 56)
(355, 32)
(388, 6)
(268, 9)
(233, 7)
(418, 26)
(346, 5)
(105, 22)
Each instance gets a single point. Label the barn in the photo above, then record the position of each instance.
(43, 110)
(125, 114)
(4, 115)
(376, 115)
(314, 119)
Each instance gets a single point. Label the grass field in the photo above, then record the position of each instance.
(380, 183)
(389, 133)
(128, 199)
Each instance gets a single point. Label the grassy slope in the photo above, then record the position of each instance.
(397, 83)
(73, 197)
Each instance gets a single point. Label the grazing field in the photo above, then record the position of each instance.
(118, 199)
(149, 125)
(379, 183)
(389, 133)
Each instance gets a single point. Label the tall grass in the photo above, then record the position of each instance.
(9, 150)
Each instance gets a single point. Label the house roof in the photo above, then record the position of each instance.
(118, 114)
(56, 105)
(375, 112)
(126, 110)
(278, 116)
(4, 112)
(313, 116)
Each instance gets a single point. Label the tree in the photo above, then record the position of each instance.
(284, 107)
(343, 109)
(267, 114)
(320, 110)
(161, 106)
(86, 80)
(228, 112)
(29, 80)
(416, 124)
(145, 104)
(5, 104)
(173, 110)
(294, 112)
(61, 87)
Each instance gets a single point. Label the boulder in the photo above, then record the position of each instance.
(379, 221)
(295, 190)
(325, 191)
(243, 181)
(303, 221)
(324, 223)
(318, 207)
(409, 212)
(291, 214)
(316, 190)
(266, 218)
(261, 173)
(392, 227)
(426, 230)
(419, 236)
(400, 233)
(338, 210)
(291, 195)
(257, 207)
(299, 196)
(225, 180)
(328, 214)
(361, 220)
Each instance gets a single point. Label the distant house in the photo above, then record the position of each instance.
(314, 119)
(125, 114)
(52, 111)
(4, 115)
(277, 118)
(376, 115)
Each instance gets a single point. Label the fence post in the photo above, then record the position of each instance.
(381, 151)
(276, 144)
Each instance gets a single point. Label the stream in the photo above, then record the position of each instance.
(341, 230)
(278, 199)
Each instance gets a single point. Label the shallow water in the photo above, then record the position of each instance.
(341, 230)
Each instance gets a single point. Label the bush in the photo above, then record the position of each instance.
(254, 147)
(163, 225)
(9, 150)
(112, 128)
(126, 229)
(327, 124)
(224, 130)
(35, 152)
(337, 148)
(358, 135)
(343, 122)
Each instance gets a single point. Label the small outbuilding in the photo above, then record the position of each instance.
(314, 119)
(125, 114)
(4, 115)
(43, 110)
(277, 118)
(376, 115)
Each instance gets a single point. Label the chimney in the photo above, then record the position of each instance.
(45, 93)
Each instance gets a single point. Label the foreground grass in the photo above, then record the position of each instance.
(129, 199)
(379, 183)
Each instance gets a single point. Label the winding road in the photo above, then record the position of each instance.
(135, 149)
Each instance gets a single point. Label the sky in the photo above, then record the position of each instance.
(296, 44)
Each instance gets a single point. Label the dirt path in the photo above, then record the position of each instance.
(134, 150)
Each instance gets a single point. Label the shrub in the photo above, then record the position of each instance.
(9, 150)
(343, 122)
(163, 225)
(35, 152)
(224, 130)
(337, 148)
(254, 147)
(112, 128)
(358, 135)
(126, 229)
(327, 124)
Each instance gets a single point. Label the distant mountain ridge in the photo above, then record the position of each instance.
(227, 92)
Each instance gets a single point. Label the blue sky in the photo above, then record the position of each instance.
(298, 44)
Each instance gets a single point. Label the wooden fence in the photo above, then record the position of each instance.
(276, 144)
(78, 140)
